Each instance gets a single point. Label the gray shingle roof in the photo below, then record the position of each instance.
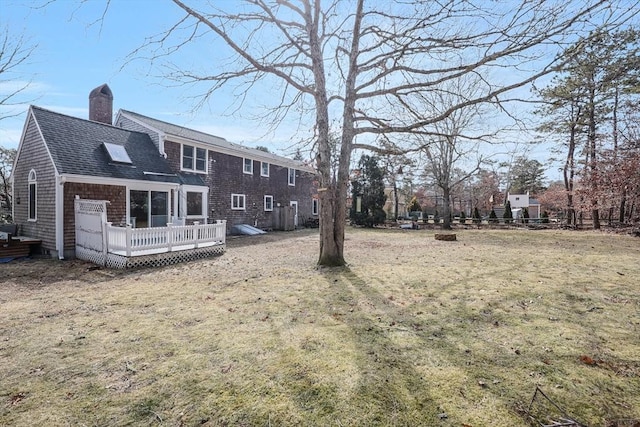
(215, 141)
(76, 146)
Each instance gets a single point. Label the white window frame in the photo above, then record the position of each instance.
(203, 194)
(32, 181)
(315, 205)
(235, 202)
(291, 174)
(244, 166)
(194, 159)
(262, 167)
(268, 197)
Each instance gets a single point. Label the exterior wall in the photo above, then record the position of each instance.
(128, 124)
(226, 177)
(33, 155)
(519, 200)
(116, 209)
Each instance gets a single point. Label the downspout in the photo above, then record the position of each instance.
(59, 215)
(205, 202)
(161, 138)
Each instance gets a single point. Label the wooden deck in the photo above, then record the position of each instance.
(16, 246)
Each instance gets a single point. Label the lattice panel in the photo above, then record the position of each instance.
(159, 260)
(89, 255)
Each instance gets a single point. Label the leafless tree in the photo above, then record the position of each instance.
(15, 52)
(359, 66)
(452, 147)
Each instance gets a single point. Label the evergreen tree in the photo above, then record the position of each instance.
(508, 215)
(545, 217)
(527, 176)
(493, 218)
(525, 215)
(463, 217)
(368, 197)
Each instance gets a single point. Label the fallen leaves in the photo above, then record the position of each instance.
(17, 398)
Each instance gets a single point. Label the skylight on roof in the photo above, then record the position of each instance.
(117, 153)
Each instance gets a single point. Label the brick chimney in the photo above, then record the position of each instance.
(101, 105)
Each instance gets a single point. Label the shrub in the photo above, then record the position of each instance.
(508, 215)
(545, 217)
(493, 218)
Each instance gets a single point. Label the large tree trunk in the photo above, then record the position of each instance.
(331, 228)
(623, 204)
(332, 223)
(446, 223)
(593, 163)
(568, 174)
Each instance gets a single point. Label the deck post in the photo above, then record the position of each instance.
(196, 233)
(169, 237)
(128, 239)
(105, 241)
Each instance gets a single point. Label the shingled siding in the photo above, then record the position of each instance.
(226, 177)
(116, 209)
(172, 150)
(33, 155)
(128, 124)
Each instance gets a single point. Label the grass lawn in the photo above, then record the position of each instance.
(414, 332)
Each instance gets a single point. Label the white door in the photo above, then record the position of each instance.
(294, 205)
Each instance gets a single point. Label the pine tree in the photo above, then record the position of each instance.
(368, 193)
(493, 218)
(508, 215)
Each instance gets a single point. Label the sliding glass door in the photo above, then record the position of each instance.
(148, 208)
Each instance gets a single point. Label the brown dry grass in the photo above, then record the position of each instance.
(415, 332)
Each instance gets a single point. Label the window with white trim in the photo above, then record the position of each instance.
(314, 207)
(292, 177)
(238, 202)
(247, 166)
(195, 203)
(264, 169)
(194, 158)
(268, 203)
(33, 193)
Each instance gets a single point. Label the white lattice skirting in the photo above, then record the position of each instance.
(155, 260)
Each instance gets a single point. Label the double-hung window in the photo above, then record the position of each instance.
(238, 202)
(292, 177)
(194, 159)
(247, 166)
(268, 203)
(264, 169)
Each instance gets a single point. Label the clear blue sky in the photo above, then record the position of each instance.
(73, 57)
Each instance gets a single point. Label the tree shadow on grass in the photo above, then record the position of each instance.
(390, 390)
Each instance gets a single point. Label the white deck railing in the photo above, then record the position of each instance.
(129, 241)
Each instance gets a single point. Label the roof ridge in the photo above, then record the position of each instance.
(235, 145)
(173, 124)
(84, 120)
